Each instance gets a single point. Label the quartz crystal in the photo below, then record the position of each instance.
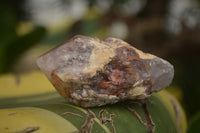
(91, 72)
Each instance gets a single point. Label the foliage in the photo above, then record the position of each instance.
(12, 45)
(33, 104)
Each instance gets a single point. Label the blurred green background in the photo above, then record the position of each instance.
(167, 28)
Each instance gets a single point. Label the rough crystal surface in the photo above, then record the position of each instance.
(92, 72)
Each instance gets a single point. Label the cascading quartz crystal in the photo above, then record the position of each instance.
(91, 72)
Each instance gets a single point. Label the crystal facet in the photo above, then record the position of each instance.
(92, 72)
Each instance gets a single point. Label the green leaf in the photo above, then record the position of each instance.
(12, 51)
(34, 90)
(194, 126)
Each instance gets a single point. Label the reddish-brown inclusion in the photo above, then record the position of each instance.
(121, 73)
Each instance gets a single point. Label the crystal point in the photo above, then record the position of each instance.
(92, 72)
